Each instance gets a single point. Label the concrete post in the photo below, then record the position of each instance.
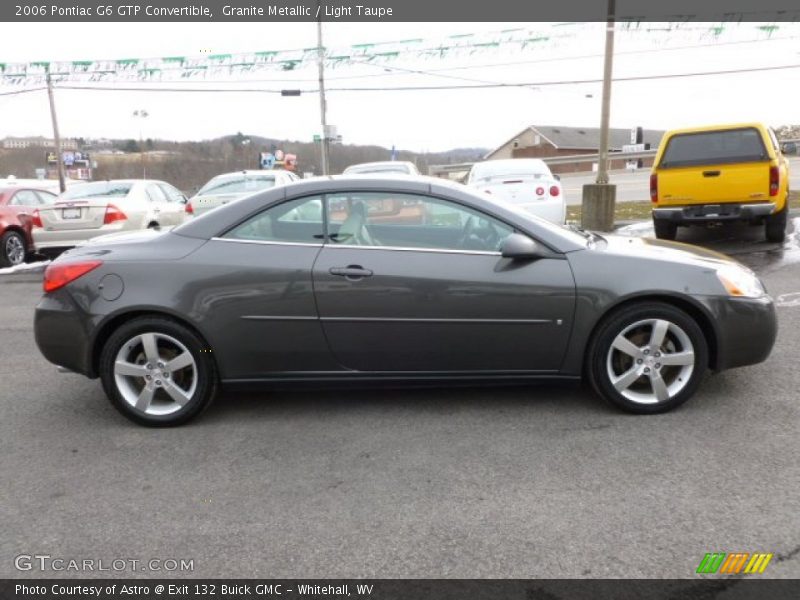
(598, 206)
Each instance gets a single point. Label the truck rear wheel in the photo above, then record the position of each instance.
(665, 230)
(775, 226)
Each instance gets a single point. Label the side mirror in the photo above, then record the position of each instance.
(520, 246)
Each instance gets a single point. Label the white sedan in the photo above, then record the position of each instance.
(92, 209)
(229, 187)
(524, 182)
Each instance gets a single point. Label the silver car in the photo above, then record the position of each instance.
(101, 207)
(229, 187)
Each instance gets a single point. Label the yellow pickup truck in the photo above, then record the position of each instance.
(720, 173)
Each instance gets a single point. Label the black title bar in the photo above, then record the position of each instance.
(279, 11)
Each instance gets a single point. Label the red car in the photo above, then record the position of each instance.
(17, 206)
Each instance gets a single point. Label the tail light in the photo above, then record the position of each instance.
(654, 187)
(57, 275)
(113, 214)
(189, 208)
(774, 181)
(36, 218)
(554, 190)
(540, 191)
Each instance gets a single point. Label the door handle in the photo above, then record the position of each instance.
(351, 271)
(711, 173)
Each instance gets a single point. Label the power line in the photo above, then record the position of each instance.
(25, 91)
(435, 87)
(481, 66)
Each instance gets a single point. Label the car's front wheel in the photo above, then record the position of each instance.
(648, 358)
(12, 249)
(157, 372)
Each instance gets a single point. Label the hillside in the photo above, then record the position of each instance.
(188, 165)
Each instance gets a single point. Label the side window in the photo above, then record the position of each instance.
(156, 194)
(172, 194)
(25, 198)
(411, 221)
(45, 198)
(295, 221)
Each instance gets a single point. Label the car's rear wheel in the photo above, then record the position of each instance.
(775, 226)
(12, 249)
(648, 358)
(157, 372)
(665, 230)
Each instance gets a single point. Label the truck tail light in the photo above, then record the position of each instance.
(188, 208)
(654, 187)
(58, 275)
(554, 190)
(113, 214)
(36, 218)
(774, 181)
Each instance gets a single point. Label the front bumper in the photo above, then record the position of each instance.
(705, 213)
(746, 330)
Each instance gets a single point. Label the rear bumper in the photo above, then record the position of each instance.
(69, 238)
(60, 333)
(705, 213)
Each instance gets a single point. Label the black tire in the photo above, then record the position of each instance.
(665, 230)
(11, 238)
(775, 226)
(599, 359)
(203, 372)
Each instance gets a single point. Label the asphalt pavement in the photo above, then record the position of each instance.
(526, 482)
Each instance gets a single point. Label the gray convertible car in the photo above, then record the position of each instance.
(393, 280)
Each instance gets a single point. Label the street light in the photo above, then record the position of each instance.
(141, 114)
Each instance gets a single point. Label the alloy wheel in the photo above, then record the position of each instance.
(15, 250)
(650, 361)
(155, 373)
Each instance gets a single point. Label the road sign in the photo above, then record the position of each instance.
(317, 138)
(634, 148)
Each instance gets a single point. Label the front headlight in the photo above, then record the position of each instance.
(740, 282)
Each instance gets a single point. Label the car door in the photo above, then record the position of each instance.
(256, 298)
(416, 283)
(175, 206)
(159, 207)
(23, 203)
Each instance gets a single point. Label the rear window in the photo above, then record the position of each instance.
(714, 147)
(378, 169)
(510, 168)
(237, 184)
(98, 189)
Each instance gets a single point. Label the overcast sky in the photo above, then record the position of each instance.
(418, 120)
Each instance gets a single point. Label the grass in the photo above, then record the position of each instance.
(638, 211)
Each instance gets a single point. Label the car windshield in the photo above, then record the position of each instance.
(511, 168)
(237, 184)
(378, 169)
(98, 189)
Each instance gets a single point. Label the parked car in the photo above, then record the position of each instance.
(252, 294)
(229, 187)
(388, 167)
(718, 174)
(17, 205)
(101, 207)
(524, 182)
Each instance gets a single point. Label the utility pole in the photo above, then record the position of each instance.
(599, 198)
(141, 114)
(56, 137)
(322, 103)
